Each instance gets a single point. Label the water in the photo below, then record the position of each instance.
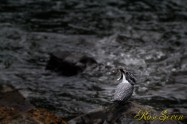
(146, 37)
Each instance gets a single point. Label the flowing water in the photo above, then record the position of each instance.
(146, 37)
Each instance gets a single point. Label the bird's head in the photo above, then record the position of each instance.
(127, 75)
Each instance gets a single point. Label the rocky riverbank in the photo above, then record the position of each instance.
(15, 109)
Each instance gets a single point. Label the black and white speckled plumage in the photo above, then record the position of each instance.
(123, 92)
(125, 88)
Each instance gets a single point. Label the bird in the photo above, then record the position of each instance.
(124, 89)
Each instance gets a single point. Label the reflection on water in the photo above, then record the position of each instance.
(146, 37)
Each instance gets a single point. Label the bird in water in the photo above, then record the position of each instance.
(125, 88)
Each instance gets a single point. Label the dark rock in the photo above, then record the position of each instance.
(115, 114)
(69, 63)
(15, 109)
(10, 97)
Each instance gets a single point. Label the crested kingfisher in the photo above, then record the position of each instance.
(125, 88)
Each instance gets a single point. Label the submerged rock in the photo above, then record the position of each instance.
(69, 63)
(123, 114)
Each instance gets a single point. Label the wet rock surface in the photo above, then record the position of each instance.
(145, 37)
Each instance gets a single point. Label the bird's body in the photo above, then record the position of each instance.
(123, 92)
(124, 89)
